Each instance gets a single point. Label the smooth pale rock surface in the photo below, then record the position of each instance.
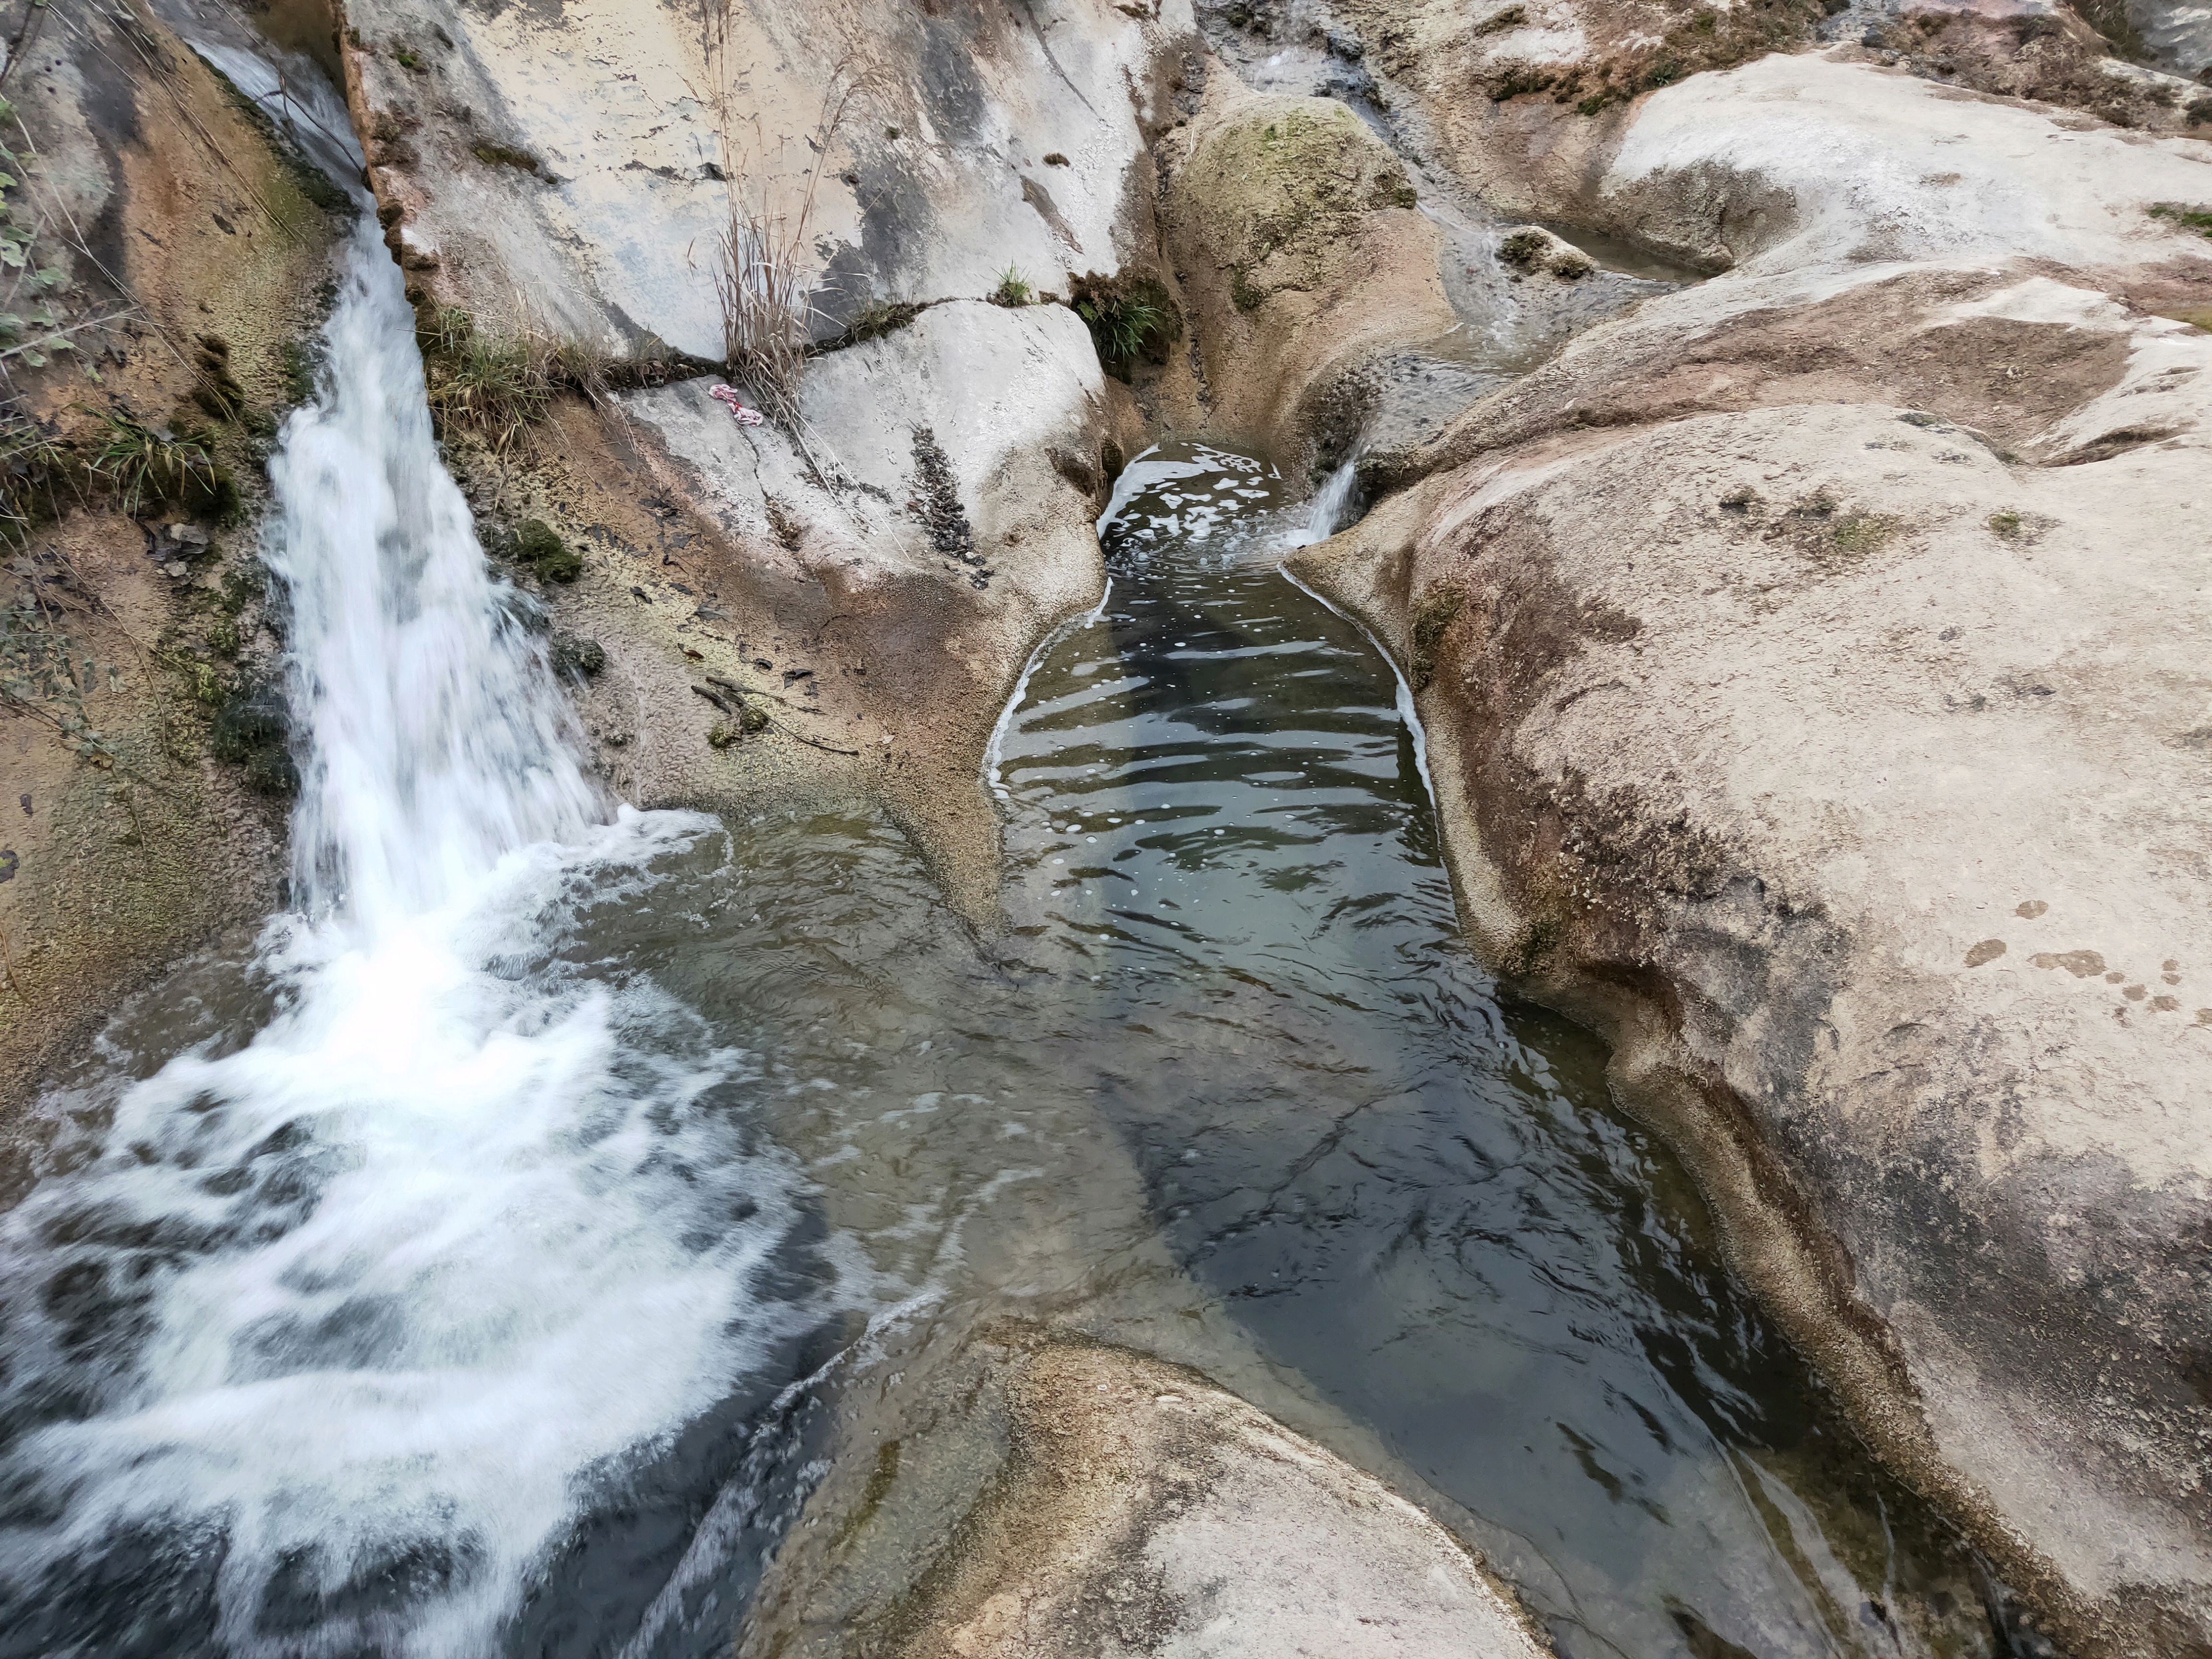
(898, 552)
(1521, 102)
(1814, 664)
(567, 167)
(1796, 160)
(1142, 1511)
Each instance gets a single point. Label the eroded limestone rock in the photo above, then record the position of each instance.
(1811, 668)
(1291, 228)
(1138, 1510)
(575, 168)
(142, 759)
(899, 552)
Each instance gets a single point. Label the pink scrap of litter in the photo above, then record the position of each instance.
(743, 413)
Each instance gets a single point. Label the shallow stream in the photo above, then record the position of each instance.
(489, 1259)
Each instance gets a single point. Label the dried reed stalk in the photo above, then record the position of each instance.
(762, 272)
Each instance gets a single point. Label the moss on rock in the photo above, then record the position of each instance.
(538, 544)
(1291, 185)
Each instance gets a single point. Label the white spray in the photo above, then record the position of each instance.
(350, 1316)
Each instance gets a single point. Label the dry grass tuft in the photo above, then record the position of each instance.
(763, 271)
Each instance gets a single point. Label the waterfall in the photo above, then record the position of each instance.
(1326, 514)
(434, 743)
(318, 1341)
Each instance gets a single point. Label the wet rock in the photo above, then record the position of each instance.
(538, 544)
(2177, 32)
(578, 657)
(1532, 250)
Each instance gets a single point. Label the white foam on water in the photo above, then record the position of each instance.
(363, 1309)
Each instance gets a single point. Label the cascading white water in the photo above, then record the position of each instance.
(1325, 515)
(433, 745)
(328, 1335)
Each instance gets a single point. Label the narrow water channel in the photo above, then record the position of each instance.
(483, 1262)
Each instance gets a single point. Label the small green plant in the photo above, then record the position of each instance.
(577, 657)
(145, 466)
(242, 586)
(1127, 322)
(297, 361)
(222, 637)
(43, 673)
(2006, 524)
(1523, 248)
(873, 321)
(34, 467)
(30, 330)
(507, 155)
(2198, 219)
(408, 58)
(1857, 534)
(1014, 289)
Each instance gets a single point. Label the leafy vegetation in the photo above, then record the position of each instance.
(1014, 289)
(30, 330)
(578, 657)
(2198, 219)
(538, 544)
(873, 321)
(34, 469)
(507, 155)
(43, 673)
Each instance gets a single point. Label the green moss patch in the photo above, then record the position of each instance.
(2198, 219)
(1432, 620)
(538, 545)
